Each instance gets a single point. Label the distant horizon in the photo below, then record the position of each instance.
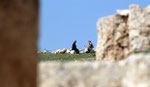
(63, 21)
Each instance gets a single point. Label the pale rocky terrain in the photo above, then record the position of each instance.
(126, 32)
(120, 37)
(134, 71)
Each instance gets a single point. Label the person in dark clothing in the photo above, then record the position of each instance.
(90, 47)
(74, 47)
(90, 44)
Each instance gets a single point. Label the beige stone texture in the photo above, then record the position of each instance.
(134, 71)
(124, 33)
(112, 38)
(139, 25)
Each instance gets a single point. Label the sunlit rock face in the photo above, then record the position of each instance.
(113, 38)
(132, 72)
(124, 33)
(139, 25)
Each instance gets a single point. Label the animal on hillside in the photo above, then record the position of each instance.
(45, 51)
(60, 51)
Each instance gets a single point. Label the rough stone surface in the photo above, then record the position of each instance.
(139, 25)
(132, 72)
(112, 38)
(137, 71)
(123, 12)
(18, 41)
(124, 33)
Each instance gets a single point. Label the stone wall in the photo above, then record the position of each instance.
(124, 33)
(134, 71)
(18, 42)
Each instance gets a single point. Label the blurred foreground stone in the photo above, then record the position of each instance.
(18, 42)
(134, 71)
(124, 33)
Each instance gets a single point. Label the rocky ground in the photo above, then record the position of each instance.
(134, 71)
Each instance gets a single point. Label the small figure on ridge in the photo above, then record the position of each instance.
(74, 47)
(89, 48)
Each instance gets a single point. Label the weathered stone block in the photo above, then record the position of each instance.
(131, 72)
(112, 38)
(122, 34)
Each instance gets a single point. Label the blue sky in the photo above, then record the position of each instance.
(63, 21)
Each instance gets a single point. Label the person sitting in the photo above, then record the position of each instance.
(74, 47)
(89, 47)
